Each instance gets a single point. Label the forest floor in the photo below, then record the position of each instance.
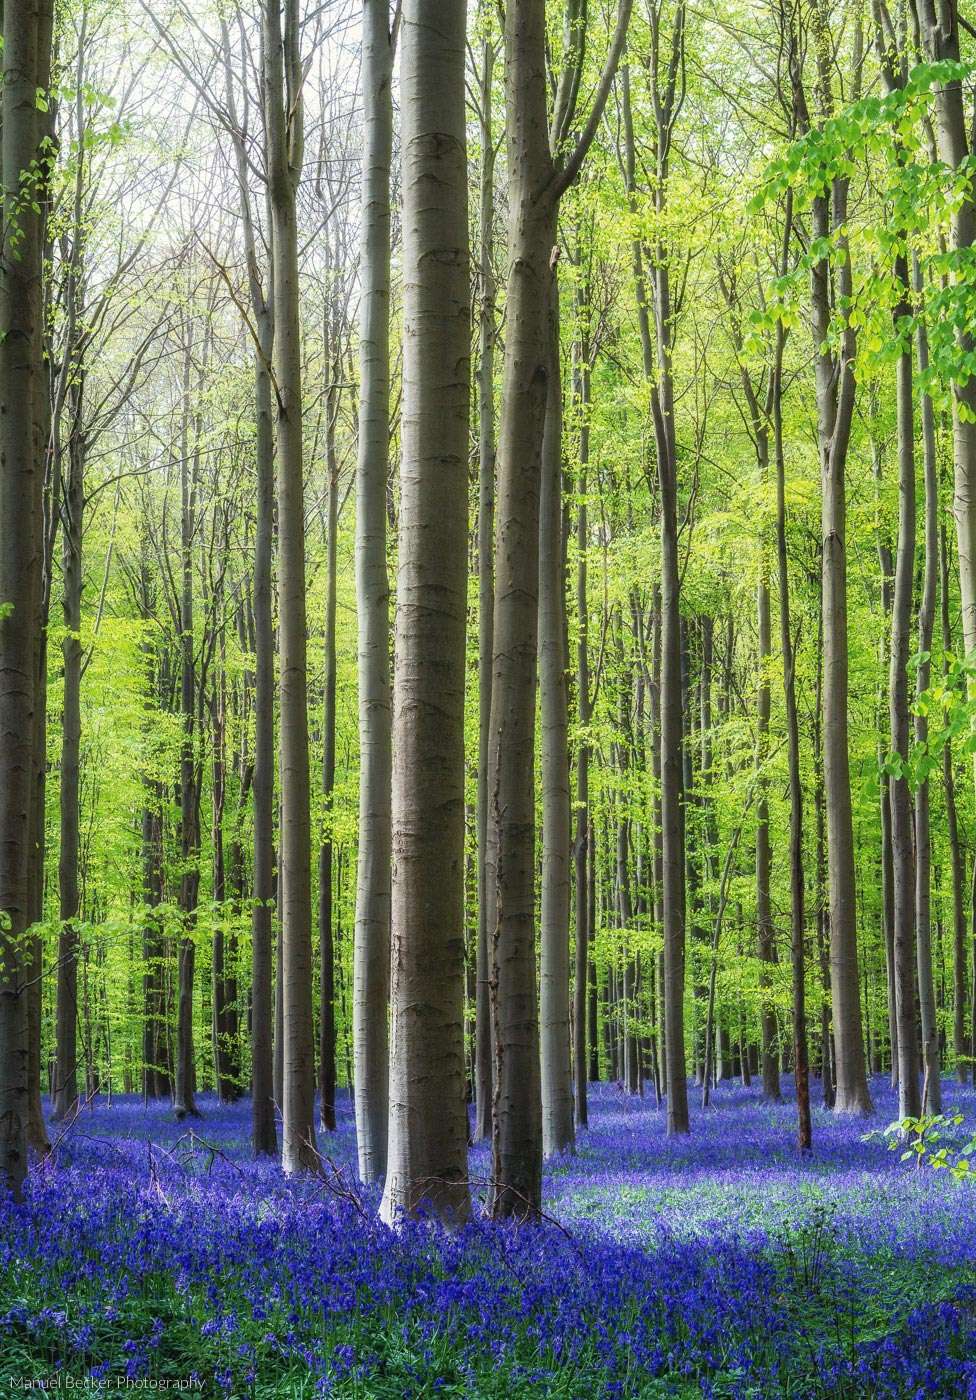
(158, 1256)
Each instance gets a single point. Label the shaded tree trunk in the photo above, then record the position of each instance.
(486, 590)
(538, 176)
(26, 67)
(327, 1026)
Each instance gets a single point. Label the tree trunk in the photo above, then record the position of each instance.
(887, 918)
(517, 1116)
(831, 287)
(956, 857)
(671, 799)
(834, 406)
(902, 835)
(538, 176)
(263, 1088)
(327, 1026)
(284, 120)
(486, 590)
(226, 1092)
(26, 65)
(887, 570)
(923, 833)
(428, 1134)
(184, 1096)
(264, 1138)
(371, 946)
(556, 1072)
(801, 1072)
(823, 910)
(939, 23)
(66, 1051)
(625, 908)
(582, 853)
(764, 915)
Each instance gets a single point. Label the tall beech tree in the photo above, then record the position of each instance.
(486, 588)
(666, 79)
(427, 1167)
(556, 1070)
(940, 23)
(831, 285)
(284, 122)
(543, 161)
(372, 936)
(26, 68)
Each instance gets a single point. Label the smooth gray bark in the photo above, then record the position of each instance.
(283, 79)
(428, 1128)
(371, 945)
(556, 1072)
(830, 285)
(902, 834)
(923, 832)
(486, 589)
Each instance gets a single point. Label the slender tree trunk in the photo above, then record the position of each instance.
(923, 833)
(428, 1117)
(902, 835)
(887, 570)
(556, 1072)
(538, 175)
(327, 1026)
(830, 285)
(371, 946)
(486, 590)
(852, 1094)
(823, 908)
(219, 979)
(517, 1110)
(887, 919)
(263, 1087)
(264, 1137)
(801, 1069)
(279, 1001)
(956, 857)
(764, 915)
(284, 119)
(671, 800)
(583, 839)
(66, 1053)
(625, 907)
(184, 1097)
(26, 66)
